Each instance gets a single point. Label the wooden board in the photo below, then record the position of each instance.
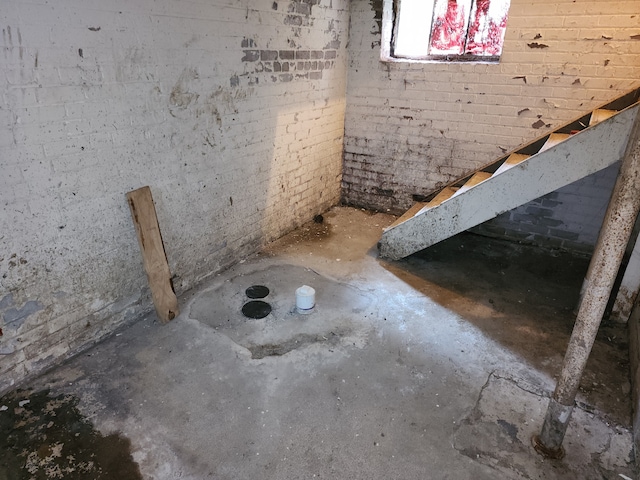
(512, 161)
(553, 140)
(475, 179)
(154, 257)
(445, 194)
(600, 114)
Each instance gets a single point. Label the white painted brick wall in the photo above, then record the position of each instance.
(411, 128)
(100, 98)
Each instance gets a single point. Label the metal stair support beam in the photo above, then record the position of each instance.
(576, 157)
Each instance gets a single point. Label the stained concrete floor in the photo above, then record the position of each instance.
(435, 367)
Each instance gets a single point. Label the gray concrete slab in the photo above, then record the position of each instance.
(438, 366)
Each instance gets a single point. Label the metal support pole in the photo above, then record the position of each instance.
(612, 242)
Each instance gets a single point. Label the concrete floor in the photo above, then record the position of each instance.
(435, 367)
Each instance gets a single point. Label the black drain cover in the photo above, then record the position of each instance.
(256, 309)
(257, 291)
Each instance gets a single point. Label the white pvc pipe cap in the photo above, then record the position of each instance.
(305, 298)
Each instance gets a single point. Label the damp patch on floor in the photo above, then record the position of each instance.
(339, 316)
(498, 433)
(46, 437)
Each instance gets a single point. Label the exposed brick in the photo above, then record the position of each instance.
(295, 20)
(287, 54)
(328, 54)
(539, 212)
(268, 55)
(303, 8)
(302, 54)
(251, 55)
(248, 43)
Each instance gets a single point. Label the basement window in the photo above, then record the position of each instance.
(444, 30)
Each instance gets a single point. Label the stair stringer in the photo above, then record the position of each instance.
(583, 154)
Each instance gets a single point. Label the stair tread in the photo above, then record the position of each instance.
(415, 208)
(601, 114)
(445, 194)
(513, 160)
(475, 179)
(553, 140)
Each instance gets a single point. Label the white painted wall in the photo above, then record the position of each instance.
(202, 101)
(411, 128)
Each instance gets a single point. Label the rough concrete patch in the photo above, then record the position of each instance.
(298, 341)
(337, 318)
(498, 435)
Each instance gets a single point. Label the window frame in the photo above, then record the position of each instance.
(388, 33)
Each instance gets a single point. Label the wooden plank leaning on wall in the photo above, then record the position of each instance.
(154, 257)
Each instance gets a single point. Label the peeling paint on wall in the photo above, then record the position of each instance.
(15, 317)
(291, 64)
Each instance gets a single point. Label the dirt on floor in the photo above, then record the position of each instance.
(44, 436)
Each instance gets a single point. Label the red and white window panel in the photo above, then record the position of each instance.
(436, 29)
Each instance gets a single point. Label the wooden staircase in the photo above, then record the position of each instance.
(578, 148)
